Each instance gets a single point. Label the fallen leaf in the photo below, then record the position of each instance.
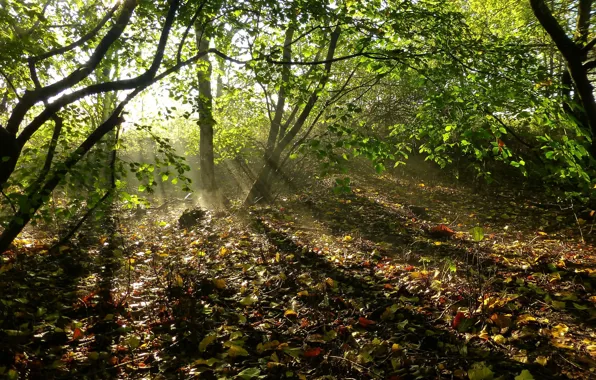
(480, 371)
(524, 375)
(559, 330)
(249, 373)
(236, 351)
(249, 300)
(219, 283)
(290, 313)
(458, 319)
(78, 334)
(542, 360)
(206, 342)
(312, 352)
(365, 322)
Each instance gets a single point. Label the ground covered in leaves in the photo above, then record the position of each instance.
(391, 281)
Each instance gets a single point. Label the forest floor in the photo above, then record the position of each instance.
(366, 285)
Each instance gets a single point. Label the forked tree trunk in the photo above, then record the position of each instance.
(282, 134)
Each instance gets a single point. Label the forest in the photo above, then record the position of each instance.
(297, 189)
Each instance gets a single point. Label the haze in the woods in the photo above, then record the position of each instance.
(301, 189)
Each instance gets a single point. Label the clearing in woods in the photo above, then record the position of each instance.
(408, 276)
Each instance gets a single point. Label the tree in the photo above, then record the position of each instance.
(27, 116)
(575, 52)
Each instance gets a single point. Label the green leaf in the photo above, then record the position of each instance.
(524, 375)
(249, 300)
(249, 373)
(206, 342)
(236, 351)
(134, 341)
(477, 233)
(480, 371)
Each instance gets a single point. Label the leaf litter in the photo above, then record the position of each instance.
(393, 281)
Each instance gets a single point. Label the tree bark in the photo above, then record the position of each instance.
(261, 189)
(206, 120)
(574, 55)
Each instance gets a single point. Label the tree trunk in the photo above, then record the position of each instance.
(280, 136)
(9, 155)
(206, 121)
(36, 197)
(575, 55)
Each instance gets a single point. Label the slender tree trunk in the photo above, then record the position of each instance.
(280, 135)
(206, 121)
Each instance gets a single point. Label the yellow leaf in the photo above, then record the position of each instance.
(521, 357)
(542, 360)
(421, 185)
(329, 281)
(483, 334)
(438, 243)
(542, 233)
(303, 293)
(562, 343)
(559, 330)
(525, 318)
(500, 339)
(480, 371)
(347, 238)
(395, 348)
(223, 251)
(290, 313)
(524, 375)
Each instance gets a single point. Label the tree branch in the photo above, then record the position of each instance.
(126, 84)
(314, 95)
(79, 42)
(187, 30)
(32, 97)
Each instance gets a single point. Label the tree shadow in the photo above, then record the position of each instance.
(425, 343)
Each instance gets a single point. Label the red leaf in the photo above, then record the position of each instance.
(442, 231)
(501, 145)
(365, 322)
(311, 353)
(460, 316)
(78, 334)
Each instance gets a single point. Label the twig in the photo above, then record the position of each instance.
(355, 364)
(579, 227)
